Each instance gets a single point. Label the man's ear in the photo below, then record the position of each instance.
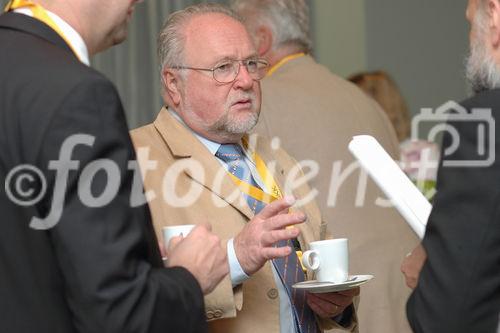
(494, 22)
(264, 39)
(171, 84)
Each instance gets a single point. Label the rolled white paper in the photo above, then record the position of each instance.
(386, 173)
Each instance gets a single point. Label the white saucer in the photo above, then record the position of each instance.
(316, 287)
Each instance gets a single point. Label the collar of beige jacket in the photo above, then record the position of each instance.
(183, 144)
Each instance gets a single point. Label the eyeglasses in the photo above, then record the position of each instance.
(227, 71)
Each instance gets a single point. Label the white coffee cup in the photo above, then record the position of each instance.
(329, 259)
(175, 230)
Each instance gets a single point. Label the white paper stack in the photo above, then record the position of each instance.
(386, 173)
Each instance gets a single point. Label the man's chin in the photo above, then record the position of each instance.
(113, 39)
(242, 124)
(120, 37)
(119, 34)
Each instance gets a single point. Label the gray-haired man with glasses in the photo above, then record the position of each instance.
(207, 169)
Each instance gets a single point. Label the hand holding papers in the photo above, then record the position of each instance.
(405, 196)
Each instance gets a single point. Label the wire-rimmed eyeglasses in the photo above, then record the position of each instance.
(227, 71)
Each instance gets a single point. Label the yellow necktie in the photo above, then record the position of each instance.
(40, 14)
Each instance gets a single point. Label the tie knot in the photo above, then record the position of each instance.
(229, 152)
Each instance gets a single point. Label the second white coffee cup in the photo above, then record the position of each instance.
(329, 259)
(175, 230)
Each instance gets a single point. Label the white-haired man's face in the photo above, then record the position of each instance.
(482, 67)
(222, 112)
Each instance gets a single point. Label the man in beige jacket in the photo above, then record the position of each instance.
(191, 158)
(315, 114)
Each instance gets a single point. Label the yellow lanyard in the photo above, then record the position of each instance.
(40, 14)
(283, 61)
(265, 176)
(269, 182)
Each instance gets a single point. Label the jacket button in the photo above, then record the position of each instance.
(217, 313)
(210, 315)
(272, 293)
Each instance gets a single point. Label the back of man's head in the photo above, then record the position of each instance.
(288, 20)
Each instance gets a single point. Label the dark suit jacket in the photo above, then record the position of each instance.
(98, 270)
(459, 285)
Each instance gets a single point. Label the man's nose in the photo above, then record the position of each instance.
(243, 80)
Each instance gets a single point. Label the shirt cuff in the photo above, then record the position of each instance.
(237, 274)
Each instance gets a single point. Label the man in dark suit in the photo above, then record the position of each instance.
(77, 248)
(458, 288)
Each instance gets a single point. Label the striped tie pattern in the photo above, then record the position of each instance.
(289, 268)
(233, 156)
(290, 273)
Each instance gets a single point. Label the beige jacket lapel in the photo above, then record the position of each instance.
(184, 145)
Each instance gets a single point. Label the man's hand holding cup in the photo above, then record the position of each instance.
(201, 253)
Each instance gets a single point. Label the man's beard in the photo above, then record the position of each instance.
(229, 124)
(482, 71)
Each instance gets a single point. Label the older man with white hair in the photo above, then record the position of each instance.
(215, 172)
(459, 285)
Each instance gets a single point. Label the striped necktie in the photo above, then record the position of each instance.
(289, 268)
(233, 156)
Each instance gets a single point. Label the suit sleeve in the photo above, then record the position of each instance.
(458, 289)
(107, 250)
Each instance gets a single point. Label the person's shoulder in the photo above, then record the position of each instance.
(48, 65)
(144, 135)
(56, 80)
(307, 72)
(70, 72)
(147, 129)
(485, 99)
